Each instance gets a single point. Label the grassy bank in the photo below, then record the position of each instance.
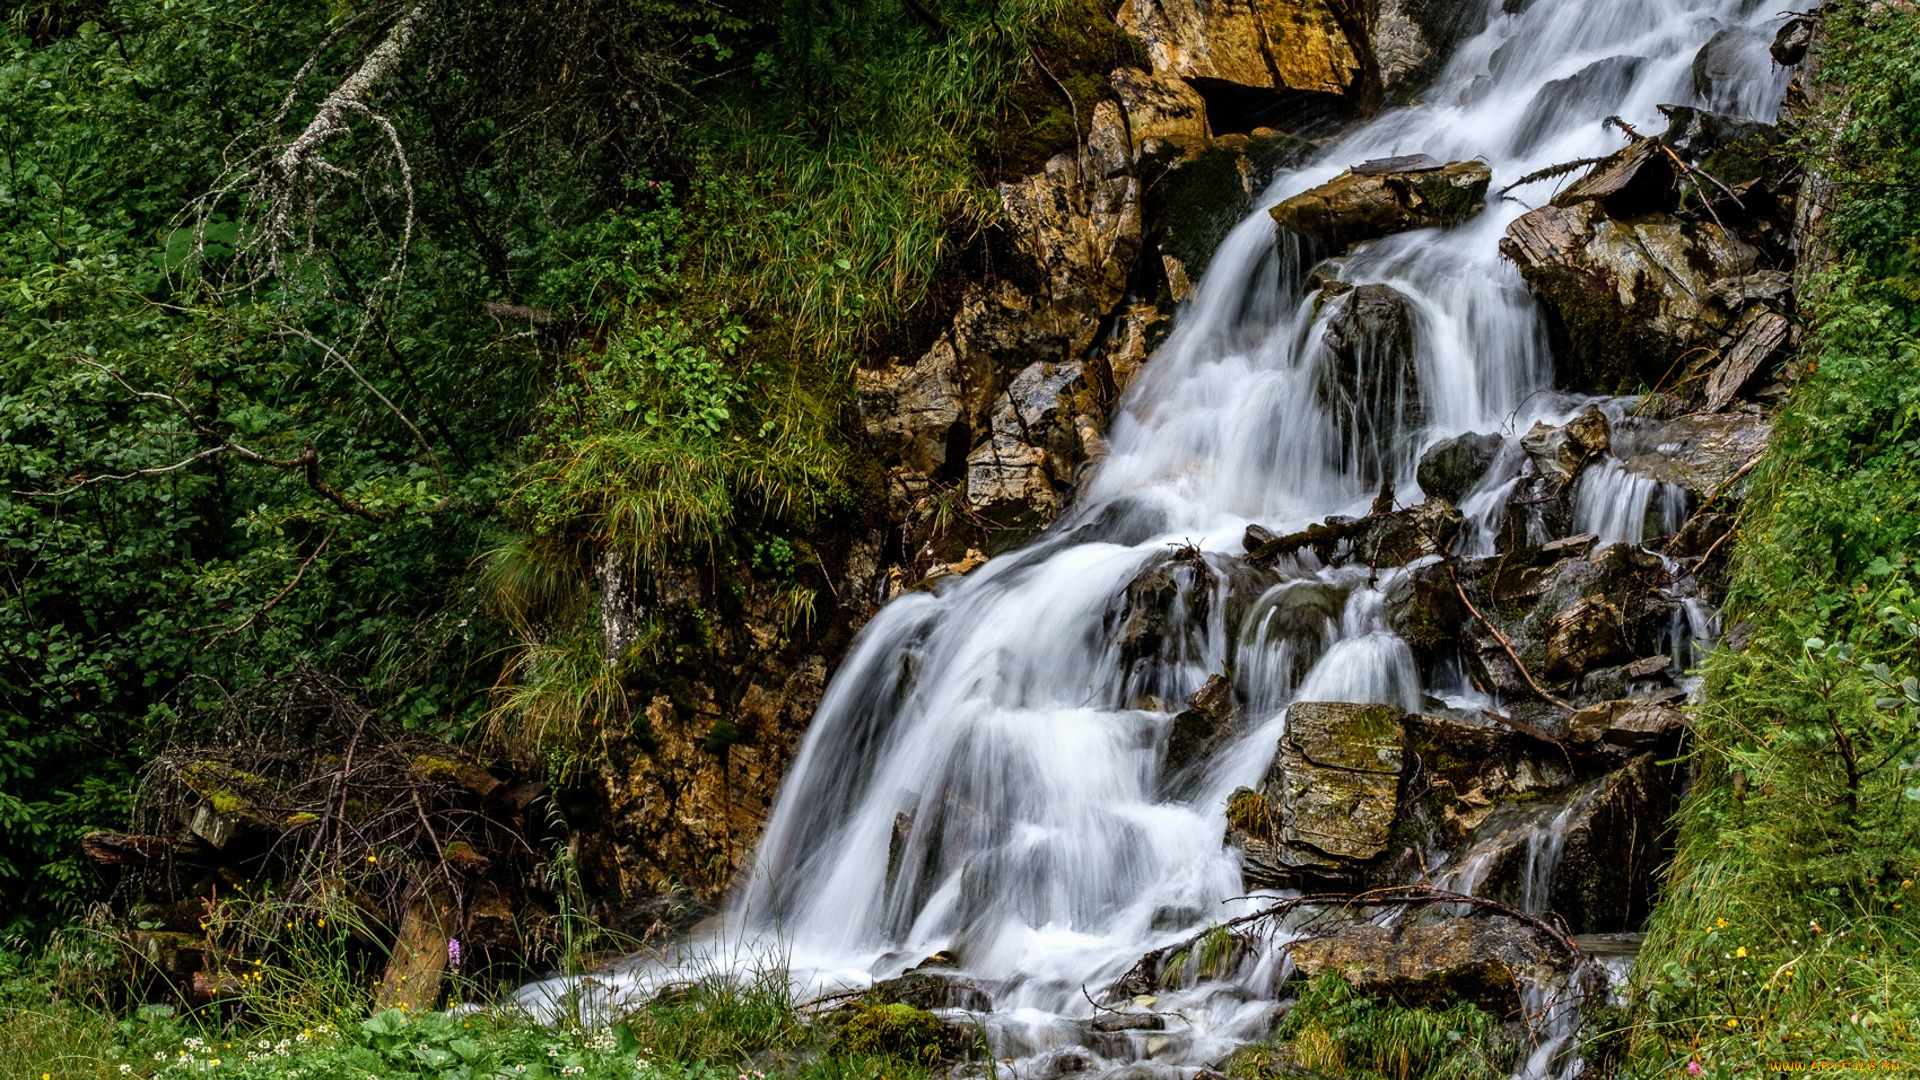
(1790, 928)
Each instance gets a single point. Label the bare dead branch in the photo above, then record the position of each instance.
(1507, 645)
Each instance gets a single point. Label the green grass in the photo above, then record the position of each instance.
(1339, 1033)
(715, 1026)
(1788, 930)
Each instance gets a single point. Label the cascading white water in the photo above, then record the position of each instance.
(984, 776)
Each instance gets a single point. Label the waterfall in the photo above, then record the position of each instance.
(983, 776)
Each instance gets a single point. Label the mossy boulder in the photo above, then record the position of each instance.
(899, 1030)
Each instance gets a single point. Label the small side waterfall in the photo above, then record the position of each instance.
(984, 777)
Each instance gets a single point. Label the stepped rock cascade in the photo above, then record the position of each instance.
(987, 776)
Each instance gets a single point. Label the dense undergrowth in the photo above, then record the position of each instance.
(571, 302)
(1790, 928)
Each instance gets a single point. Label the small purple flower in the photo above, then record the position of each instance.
(453, 953)
(1694, 1069)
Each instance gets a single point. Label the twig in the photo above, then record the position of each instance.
(1719, 490)
(282, 594)
(1551, 171)
(1512, 654)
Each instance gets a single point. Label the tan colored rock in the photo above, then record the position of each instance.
(1018, 474)
(1263, 44)
(1161, 106)
(1079, 219)
(1629, 723)
(1365, 204)
(1334, 786)
(1482, 960)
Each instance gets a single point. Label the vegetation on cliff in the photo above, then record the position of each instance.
(1790, 928)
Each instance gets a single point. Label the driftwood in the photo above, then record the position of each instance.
(1272, 547)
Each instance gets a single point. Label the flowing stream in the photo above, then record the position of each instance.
(985, 774)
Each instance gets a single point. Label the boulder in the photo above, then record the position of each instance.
(1791, 42)
(1371, 385)
(1209, 720)
(1332, 791)
(1735, 58)
(1632, 724)
(1398, 538)
(1626, 298)
(1482, 960)
(1451, 467)
(1560, 452)
(1362, 204)
(1277, 46)
(1161, 617)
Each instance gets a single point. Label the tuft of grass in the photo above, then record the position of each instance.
(1339, 1033)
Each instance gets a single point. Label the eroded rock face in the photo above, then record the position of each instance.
(1371, 201)
(1161, 106)
(1628, 296)
(1273, 45)
(1482, 960)
(1209, 720)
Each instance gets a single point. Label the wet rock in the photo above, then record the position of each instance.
(1396, 539)
(1632, 724)
(1791, 43)
(1372, 387)
(1731, 60)
(1015, 479)
(1560, 452)
(1357, 206)
(1698, 133)
(1450, 468)
(1701, 452)
(1626, 297)
(1646, 679)
(1563, 103)
(1128, 1021)
(1209, 720)
(1264, 45)
(1760, 336)
(1469, 769)
(1160, 618)
(1589, 855)
(1482, 960)
(1195, 198)
(1332, 789)
(929, 989)
(1637, 180)
(1590, 634)
(1414, 39)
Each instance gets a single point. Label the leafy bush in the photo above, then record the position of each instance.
(1335, 1031)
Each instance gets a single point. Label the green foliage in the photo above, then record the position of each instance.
(1337, 1032)
(1788, 930)
(895, 1029)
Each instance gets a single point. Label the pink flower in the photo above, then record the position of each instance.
(1694, 1069)
(453, 953)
